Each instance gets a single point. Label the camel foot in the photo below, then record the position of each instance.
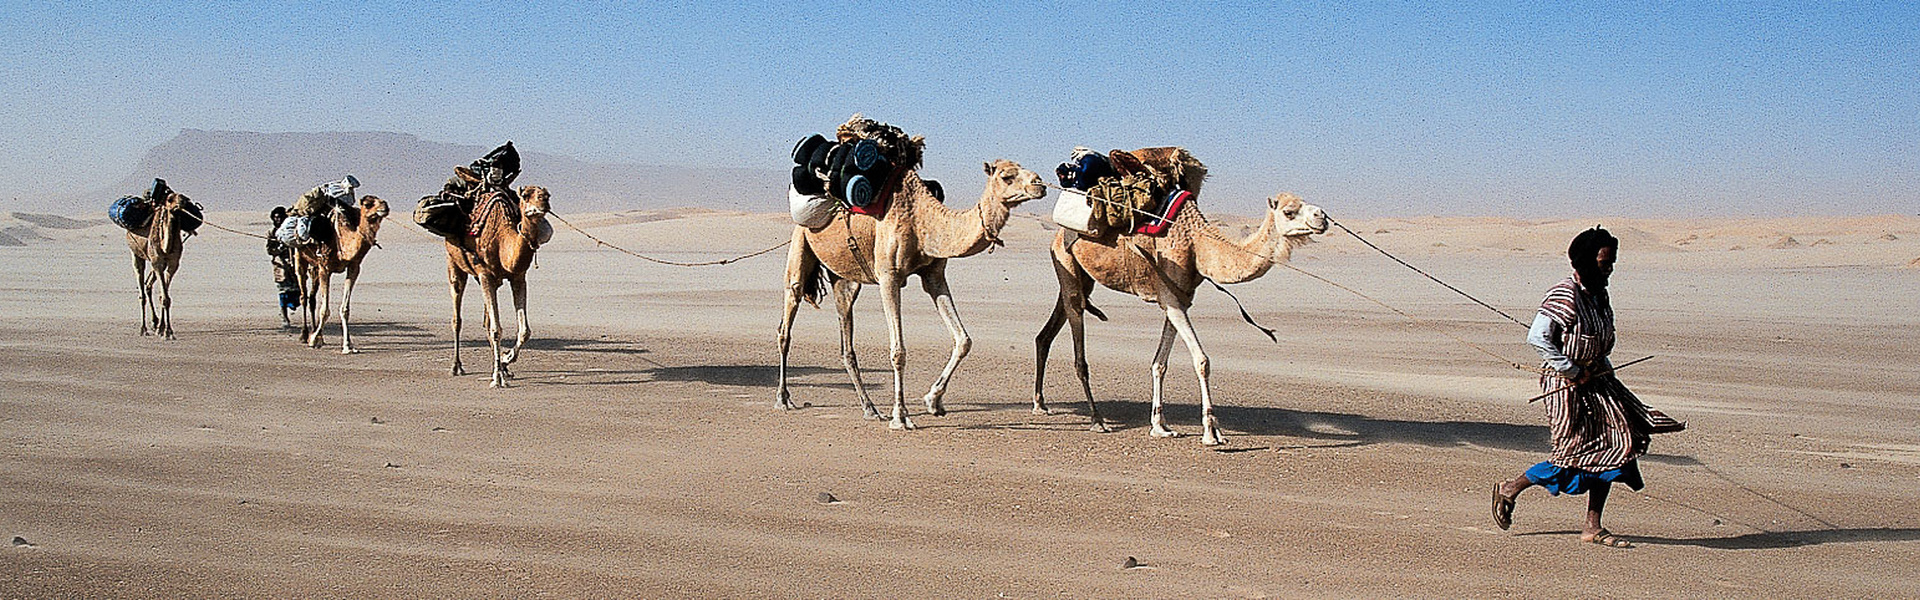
(1099, 427)
(1040, 409)
(1213, 439)
(504, 372)
(783, 400)
(934, 407)
(901, 423)
(499, 383)
(867, 412)
(1161, 431)
(458, 370)
(349, 350)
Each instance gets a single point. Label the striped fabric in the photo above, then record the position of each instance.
(1599, 425)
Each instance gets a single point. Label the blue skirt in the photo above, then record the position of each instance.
(1559, 480)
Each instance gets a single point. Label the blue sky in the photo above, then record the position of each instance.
(1525, 109)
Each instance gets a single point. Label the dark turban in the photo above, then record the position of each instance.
(1584, 250)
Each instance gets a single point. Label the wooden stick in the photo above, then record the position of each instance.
(1606, 372)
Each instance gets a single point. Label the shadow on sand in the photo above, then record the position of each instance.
(1342, 429)
(1771, 540)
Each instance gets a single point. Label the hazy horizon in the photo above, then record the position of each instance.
(1388, 109)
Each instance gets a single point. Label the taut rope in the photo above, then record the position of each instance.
(1423, 273)
(644, 257)
(217, 226)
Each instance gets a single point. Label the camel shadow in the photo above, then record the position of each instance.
(598, 345)
(1773, 540)
(1343, 429)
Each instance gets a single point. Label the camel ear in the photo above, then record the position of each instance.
(988, 167)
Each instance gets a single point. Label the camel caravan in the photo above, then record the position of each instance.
(863, 215)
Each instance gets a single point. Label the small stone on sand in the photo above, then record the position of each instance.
(826, 498)
(1130, 563)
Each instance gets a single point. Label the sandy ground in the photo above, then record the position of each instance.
(639, 454)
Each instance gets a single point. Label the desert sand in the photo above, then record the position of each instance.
(639, 453)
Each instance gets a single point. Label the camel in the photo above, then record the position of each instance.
(501, 253)
(1165, 271)
(916, 237)
(314, 264)
(161, 246)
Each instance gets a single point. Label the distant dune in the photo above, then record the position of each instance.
(238, 170)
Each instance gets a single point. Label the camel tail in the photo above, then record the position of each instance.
(815, 282)
(1096, 312)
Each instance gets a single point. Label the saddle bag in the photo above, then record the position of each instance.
(811, 211)
(1074, 210)
(130, 212)
(441, 215)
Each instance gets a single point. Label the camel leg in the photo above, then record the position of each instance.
(1159, 420)
(800, 264)
(146, 293)
(1042, 346)
(346, 308)
(523, 330)
(308, 304)
(934, 281)
(164, 325)
(845, 293)
(1077, 324)
(324, 284)
(490, 296)
(457, 283)
(1209, 425)
(890, 286)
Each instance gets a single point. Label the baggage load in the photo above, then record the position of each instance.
(810, 211)
(1082, 169)
(303, 231)
(188, 217)
(1074, 210)
(130, 212)
(441, 215)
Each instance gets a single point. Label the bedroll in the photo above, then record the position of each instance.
(130, 212)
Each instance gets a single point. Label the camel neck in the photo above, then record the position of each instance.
(949, 233)
(1226, 261)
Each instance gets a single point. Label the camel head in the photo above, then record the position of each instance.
(1295, 220)
(533, 202)
(373, 209)
(1010, 184)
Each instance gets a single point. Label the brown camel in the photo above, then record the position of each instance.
(501, 253)
(160, 244)
(916, 237)
(1166, 271)
(354, 230)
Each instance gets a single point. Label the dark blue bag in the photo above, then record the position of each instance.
(130, 212)
(1083, 170)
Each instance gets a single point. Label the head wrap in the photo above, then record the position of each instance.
(1585, 249)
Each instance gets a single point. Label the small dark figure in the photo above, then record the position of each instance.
(281, 256)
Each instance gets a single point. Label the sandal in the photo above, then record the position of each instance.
(1606, 538)
(1502, 509)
